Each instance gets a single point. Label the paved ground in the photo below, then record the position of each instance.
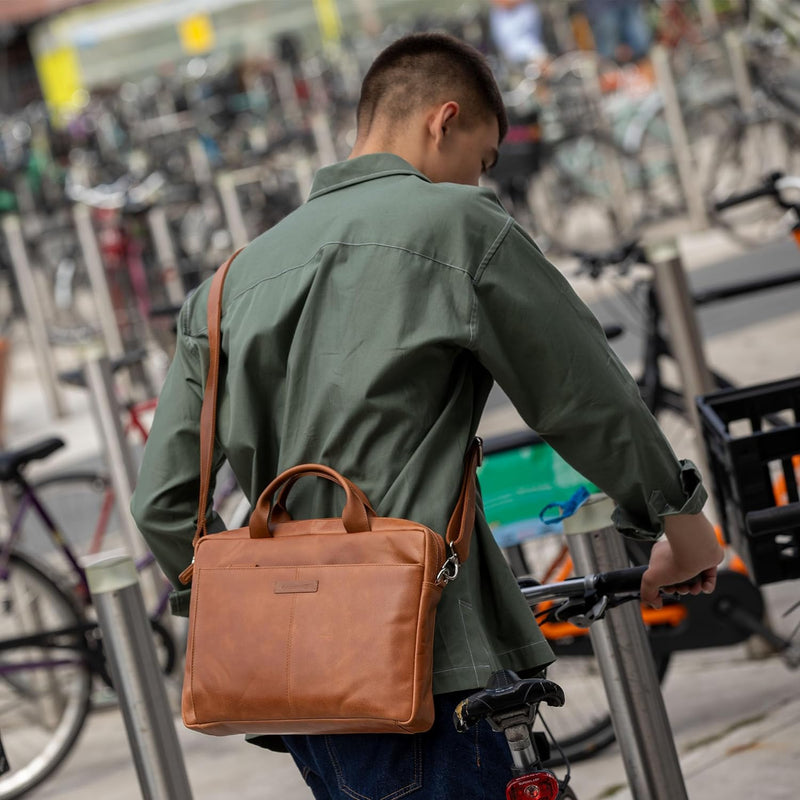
(736, 718)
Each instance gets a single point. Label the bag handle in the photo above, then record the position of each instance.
(355, 517)
(280, 513)
(462, 521)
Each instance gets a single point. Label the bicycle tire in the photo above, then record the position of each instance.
(572, 197)
(72, 498)
(42, 711)
(583, 727)
(753, 147)
(76, 500)
(705, 125)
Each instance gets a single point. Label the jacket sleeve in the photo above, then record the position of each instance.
(164, 503)
(549, 354)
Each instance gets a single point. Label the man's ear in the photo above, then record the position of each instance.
(442, 119)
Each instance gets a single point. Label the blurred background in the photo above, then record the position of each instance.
(141, 141)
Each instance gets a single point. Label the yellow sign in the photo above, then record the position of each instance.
(60, 79)
(330, 24)
(197, 34)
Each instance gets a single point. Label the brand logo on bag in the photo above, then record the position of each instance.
(296, 587)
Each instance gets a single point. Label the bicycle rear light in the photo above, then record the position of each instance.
(537, 786)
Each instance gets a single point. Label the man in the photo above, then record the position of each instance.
(620, 29)
(516, 28)
(364, 332)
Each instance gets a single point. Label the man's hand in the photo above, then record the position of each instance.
(685, 562)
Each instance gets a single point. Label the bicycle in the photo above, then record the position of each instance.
(519, 476)
(581, 601)
(637, 298)
(50, 645)
(512, 706)
(84, 496)
(582, 737)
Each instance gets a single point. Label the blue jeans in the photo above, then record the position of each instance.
(436, 765)
(626, 25)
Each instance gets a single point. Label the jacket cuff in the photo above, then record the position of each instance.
(179, 602)
(694, 496)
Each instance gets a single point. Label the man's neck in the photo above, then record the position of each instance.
(402, 147)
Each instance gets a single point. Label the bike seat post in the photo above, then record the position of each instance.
(522, 747)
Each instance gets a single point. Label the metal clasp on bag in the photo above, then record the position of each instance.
(449, 570)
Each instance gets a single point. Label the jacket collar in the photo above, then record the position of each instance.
(358, 170)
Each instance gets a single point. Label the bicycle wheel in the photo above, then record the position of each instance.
(582, 727)
(588, 194)
(82, 504)
(705, 126)
(44, 692)
(753, 147)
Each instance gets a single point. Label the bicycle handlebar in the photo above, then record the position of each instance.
(773, 186)
(772, 520)
(620, 581)
(628, 253)
(745, 197)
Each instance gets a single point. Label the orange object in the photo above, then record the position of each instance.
(582, 32)
(672, 615)
(779, 490)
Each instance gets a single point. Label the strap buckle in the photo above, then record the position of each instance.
(479, 445)
(449, 570)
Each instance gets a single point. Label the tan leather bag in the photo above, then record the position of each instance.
(313, 626)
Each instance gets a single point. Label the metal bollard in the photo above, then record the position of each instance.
(129, 648)
(708, 15)
(323, 138)
(741, 77)
(676, 303)
(612, 167)
(100, 382)
(226, 186)
(97, 278)
(623, 654)
(201, 166)
(165, 253)
(34, 313)
(287, 94)
(687, 171)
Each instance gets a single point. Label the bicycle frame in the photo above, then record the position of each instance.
(28, 501)
(75, 638)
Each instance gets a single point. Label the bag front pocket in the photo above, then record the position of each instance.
(328, 641)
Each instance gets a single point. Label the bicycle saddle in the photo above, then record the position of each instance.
(506, 693)
(77, 377)
(12, 461)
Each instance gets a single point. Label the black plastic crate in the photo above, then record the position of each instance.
(752, 438)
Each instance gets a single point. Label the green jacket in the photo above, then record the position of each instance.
(364, 331)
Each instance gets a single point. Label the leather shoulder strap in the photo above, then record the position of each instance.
(208, 414)
(462, 521)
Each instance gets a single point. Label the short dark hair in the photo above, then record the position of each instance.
(425, 68)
